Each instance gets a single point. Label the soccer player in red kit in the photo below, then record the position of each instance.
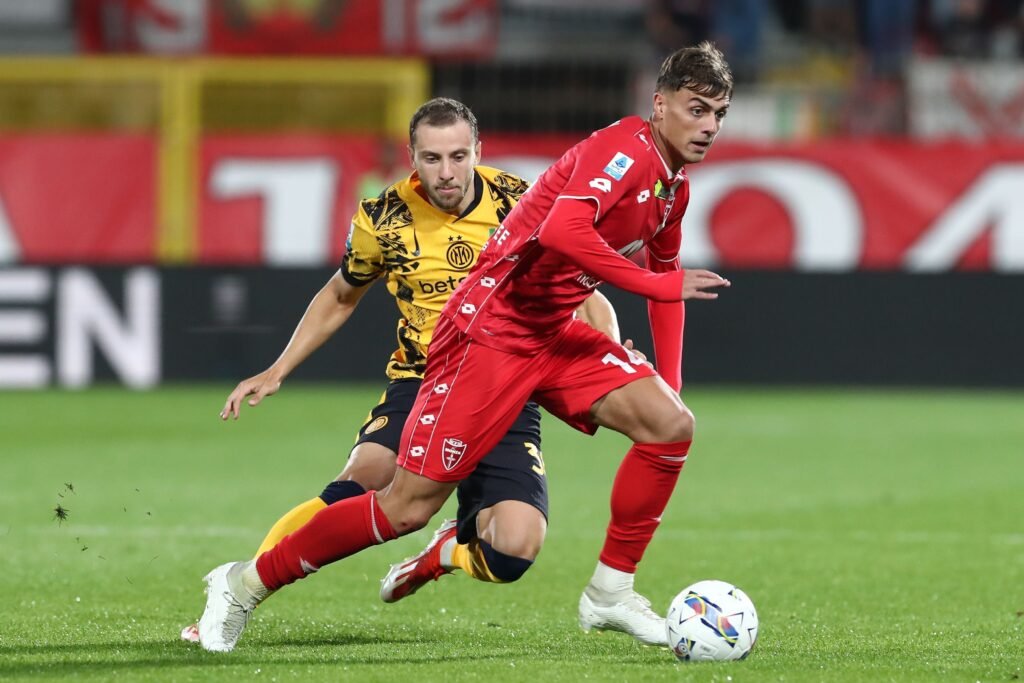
(509, 335)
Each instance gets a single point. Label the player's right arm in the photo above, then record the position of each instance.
(569, 230)
(327, 312)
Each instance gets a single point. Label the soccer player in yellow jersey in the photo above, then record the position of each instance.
(423, 234)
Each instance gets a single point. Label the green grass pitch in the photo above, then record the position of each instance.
(880, 534)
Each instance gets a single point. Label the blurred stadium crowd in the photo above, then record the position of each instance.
(806, 67)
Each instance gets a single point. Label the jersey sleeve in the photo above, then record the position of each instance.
(363, 261)
(604, 170)
(667, 318)
(569, 231)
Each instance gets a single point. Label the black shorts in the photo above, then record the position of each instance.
(513, 470)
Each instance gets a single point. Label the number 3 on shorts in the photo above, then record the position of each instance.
(612, 359)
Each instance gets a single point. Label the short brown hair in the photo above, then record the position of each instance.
(442, 111)
(701, 68)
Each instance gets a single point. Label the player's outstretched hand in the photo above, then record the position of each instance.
(257, 386)
(696, 282)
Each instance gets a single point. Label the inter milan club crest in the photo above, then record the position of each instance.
(451, 452)
(378, 423)
(459, 254)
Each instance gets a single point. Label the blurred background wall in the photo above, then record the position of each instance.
(177, 176)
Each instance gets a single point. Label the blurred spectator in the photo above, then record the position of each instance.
(887, 28)
(832, 26)
(737, 31)
(960, 28)
(672, 24)
(1007, 42)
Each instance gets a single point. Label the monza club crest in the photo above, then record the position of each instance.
(451, 452)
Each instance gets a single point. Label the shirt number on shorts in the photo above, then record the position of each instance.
(536, 455)
(612, 359)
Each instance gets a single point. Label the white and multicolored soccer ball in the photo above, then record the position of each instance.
(711, 621)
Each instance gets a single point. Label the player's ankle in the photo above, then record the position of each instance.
(446, 554)
(608, 581)
(244, 577)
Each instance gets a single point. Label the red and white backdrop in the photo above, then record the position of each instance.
(435, 28)
(287, 200)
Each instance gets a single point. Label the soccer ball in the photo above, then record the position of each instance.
(711, 621)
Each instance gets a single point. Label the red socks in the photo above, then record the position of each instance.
(337, 531)
(642, 488)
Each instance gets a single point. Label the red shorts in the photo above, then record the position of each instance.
(471, 394)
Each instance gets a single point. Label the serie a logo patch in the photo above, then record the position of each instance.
(618, 166)
(378, 423)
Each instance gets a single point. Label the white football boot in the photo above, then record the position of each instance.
(625, 611)
(228, 608)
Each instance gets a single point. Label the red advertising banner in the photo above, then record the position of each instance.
(840, 205)
(77, 198)
(288, 199)
(290, 27)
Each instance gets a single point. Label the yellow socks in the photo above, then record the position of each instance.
(470, 559)
(291, 521)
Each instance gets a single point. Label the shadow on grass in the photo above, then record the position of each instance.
(124, 657)
(109, 657)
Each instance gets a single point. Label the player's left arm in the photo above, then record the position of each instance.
(667, 319)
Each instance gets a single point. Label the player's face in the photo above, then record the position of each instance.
(444, 157)
(686, 123)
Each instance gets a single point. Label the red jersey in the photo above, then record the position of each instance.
(542, 263)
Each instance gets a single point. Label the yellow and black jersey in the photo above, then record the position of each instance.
(424, 252)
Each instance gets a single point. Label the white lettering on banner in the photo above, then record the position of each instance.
(297, 195)
(447, 25)
(9, 250)
(950, 98)
(996, 201)
(23, 326)
(86, 316)
(186, 33)
(84, 319)
(393, 30)
(434, 26)
(827, 222)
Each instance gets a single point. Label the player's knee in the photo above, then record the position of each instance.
(503, 566)
(371, 465)
(676, 426)
(408, 515)
(408, 520)
(513, 527)
(522, 543)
